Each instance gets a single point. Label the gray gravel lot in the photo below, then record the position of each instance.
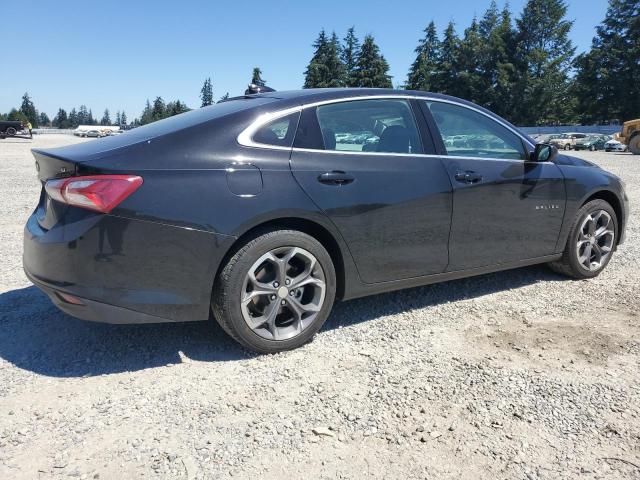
(514, 375)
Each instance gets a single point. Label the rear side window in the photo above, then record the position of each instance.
(385, 126)
(278, 132)
(468, 133)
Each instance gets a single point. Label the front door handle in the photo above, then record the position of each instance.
(336, 177)
(468, 177)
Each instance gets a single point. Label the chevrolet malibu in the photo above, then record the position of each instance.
(260, 212)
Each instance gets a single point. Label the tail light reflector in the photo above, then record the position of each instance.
(101, 193)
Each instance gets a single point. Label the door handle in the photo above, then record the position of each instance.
(468, 177)
(336, 177)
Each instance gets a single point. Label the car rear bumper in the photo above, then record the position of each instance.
(124, 270)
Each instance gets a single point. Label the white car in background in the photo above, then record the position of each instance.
(614, 146)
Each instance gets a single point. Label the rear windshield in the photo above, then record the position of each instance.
(194, 117)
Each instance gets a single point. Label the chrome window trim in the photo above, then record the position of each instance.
(245, 138)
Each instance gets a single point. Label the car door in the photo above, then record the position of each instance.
(505, 207)
(362, 163)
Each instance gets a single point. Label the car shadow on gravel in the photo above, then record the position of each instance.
(36, 336)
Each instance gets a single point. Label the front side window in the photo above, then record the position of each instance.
(468, 133)
(278, 132)
(385, 126)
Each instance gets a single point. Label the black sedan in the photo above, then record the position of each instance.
(261, 210)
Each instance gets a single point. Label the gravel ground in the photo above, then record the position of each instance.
(514, 375)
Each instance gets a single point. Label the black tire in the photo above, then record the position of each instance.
(567, 146)
(568, 264)
(592, 148)
(634, 145)
(225, 302)
(11, 131)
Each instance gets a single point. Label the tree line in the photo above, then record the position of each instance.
(524, 69)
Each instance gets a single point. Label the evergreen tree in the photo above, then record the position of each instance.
(349, 55)
(446, 77)
(147, 114)
(106, 118)
(123, 118)
(497, 63)
(159, 110)
(325, 69)
(118, 120)
(467, 64)
(17, 116)
(176, 108)
(61, 120)
(206, 93)
(607, 83)
(544, 53)
(83, 115)
(372, 70)
(73, 119)
(256, 78)
(224, 97)
(28, 109)
(43, 120)
(425, 64)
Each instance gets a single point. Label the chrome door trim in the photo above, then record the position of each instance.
(245, 138)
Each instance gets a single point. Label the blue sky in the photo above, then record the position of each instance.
(116, 54)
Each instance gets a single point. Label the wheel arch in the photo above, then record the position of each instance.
(612, 199)
(329, 240)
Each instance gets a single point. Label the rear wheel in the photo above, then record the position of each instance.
(591, 241)
(567, 146)
(591, 148)
(275, 292)
(11, 131)
(634, 145)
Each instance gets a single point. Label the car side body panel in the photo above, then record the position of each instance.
(158, 252)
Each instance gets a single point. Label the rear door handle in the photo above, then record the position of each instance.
(336, 177)
(468, 177)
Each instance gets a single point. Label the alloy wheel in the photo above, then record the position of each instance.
(595, 240)
(283, 292)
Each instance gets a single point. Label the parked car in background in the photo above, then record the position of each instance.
(94, 133)
(566, 141)
(10, 127)
(592, 142)
(545, 137)
(614, 145)
(259, 215)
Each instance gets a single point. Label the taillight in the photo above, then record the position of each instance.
(101, 193)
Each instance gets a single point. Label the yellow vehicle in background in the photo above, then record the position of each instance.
(630, 135)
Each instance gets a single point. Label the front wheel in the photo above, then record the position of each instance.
(567, 146)
(275, 292)
(591, 241)
(11, 131)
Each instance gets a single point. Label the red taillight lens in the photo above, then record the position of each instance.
(101, 193)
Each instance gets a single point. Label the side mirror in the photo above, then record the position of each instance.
(544, 152)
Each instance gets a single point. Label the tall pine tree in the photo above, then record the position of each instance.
(106, 118)
(28, 109)
(424, 66)
(446, 76)
(325, 69)
(544, 55)
(607, 83)
(372, 70)
(349, 56)
(206, 93)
